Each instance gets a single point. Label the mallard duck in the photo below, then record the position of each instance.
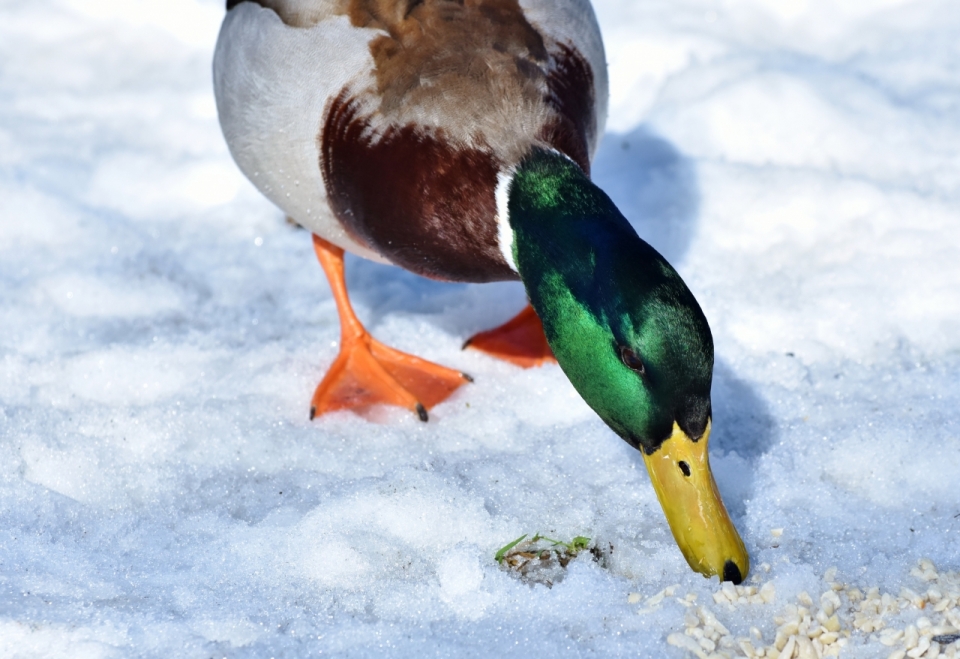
(453, 138)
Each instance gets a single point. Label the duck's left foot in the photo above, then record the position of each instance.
(519, 341)
(367, 372)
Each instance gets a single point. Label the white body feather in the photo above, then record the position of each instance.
(273, 82)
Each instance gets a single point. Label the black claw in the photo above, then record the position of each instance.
(313, 412)
(422, 413)
(465, 376)
(466, 344)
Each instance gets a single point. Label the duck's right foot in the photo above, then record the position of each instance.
(519, 341)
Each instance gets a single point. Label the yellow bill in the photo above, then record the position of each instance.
(681, 476)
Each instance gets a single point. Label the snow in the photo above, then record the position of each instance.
(163, 493)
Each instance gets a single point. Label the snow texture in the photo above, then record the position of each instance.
(163, 493)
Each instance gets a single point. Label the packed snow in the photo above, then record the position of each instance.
(163, 493)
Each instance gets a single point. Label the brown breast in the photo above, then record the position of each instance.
(461, 90)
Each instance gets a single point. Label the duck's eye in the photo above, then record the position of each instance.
(631, 360)
(684, 467)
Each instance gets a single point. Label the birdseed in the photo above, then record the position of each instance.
(817, 627)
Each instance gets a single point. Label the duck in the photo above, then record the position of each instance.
(454, 138)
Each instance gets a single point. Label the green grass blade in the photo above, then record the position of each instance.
(507, 547)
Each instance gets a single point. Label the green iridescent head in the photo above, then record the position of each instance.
(620, 320)
(632, 339)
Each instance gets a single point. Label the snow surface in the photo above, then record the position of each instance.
(162, 492)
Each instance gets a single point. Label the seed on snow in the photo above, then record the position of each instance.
(911, 637)
(921, 648)
(889, 637)
(832, 624)
(829, 638)
(787, 651)
(686, 643)
(768, 591)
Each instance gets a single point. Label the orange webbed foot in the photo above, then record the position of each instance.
(519, 341)
(367, 372)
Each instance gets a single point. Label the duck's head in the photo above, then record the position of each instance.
(632, 339)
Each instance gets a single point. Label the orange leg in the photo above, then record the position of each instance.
(367, 372)
(519, 341)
